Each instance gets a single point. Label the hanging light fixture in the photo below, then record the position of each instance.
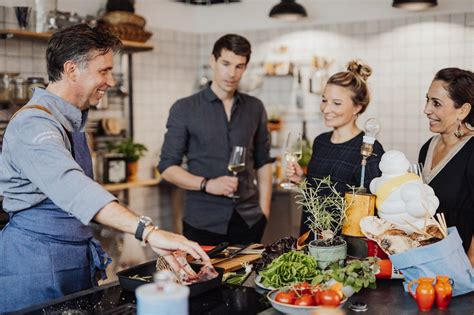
(414, 5)
(288, 10)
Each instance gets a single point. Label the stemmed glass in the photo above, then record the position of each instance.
(236, 163)
(417, 168)
(293, 152)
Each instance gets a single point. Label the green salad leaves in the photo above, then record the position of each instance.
(291, 267)
(296, 266)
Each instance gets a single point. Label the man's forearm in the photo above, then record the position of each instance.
(182, 178)
(264, 180)
(118, 217)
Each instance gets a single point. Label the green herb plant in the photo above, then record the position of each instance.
(326, 208)
(357, 273)
(131, 150)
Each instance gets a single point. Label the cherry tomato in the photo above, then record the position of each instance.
(316, 291)
(329, 298)
(302, 288)
(285, 297)
(305, 300)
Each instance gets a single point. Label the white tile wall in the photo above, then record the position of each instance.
(405, 53)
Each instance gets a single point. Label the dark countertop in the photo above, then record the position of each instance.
(388, 298)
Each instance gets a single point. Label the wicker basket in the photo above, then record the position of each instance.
(128, 32)
(124, 17)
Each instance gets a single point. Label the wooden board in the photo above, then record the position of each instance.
(236, 262)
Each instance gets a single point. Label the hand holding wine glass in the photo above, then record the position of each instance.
(293, 152)
(237, 163)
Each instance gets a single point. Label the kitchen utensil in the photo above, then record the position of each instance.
(217, 249)
(129, 281)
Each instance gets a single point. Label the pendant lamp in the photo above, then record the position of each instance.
(288, 10)
(414, 5)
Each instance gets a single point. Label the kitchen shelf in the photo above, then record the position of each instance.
(128, 46)
(135, 184)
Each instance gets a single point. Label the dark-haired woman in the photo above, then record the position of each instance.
(337, 153)
(448, 157)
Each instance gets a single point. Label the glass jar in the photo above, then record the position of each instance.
(7, 87)
(20, 97)
(32, 83)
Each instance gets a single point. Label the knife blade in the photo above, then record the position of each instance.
(232, 255)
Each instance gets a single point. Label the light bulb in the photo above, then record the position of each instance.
(372, 129)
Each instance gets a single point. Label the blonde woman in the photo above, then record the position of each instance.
(337, 153)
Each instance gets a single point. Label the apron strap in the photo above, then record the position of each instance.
(44, 109)
(99, 260)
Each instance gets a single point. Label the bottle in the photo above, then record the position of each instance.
(306, 148)
(299, 96)
(163, 297)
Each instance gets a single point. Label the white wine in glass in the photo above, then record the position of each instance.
(236, 163)
(293, 153)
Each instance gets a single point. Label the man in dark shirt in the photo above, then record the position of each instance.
(205, 127)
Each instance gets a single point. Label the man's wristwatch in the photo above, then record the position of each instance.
(143, 222)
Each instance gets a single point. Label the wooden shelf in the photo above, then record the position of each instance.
(136, 184)
(128, 46)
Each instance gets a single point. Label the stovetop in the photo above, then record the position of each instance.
(225, 299)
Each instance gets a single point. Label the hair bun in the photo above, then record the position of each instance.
(360, 69)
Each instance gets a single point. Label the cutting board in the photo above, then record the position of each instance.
(236, 262)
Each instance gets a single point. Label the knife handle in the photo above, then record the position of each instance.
(219, 248)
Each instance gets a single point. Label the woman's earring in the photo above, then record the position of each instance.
(459, 133)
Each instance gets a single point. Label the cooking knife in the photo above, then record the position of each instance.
(217, 249)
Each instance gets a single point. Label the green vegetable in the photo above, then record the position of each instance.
(291, 267)
(235, 278)
(357, 273)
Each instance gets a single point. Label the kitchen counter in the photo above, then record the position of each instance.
(388, 298)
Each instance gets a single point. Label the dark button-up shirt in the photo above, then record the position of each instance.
(198, 128)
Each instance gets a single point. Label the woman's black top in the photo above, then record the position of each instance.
(454, 187)
(342, 161)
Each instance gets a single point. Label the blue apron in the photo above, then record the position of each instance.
(46, 253)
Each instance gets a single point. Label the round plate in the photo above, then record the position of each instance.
(259, 284)
(294, 309)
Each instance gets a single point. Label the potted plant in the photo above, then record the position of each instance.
(327, 209)
(132, 152)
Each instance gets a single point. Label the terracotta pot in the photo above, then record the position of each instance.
(425, 293)
(132, 170)
(444, 291)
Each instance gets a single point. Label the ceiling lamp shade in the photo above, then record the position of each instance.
(414, 5)
(288, 10)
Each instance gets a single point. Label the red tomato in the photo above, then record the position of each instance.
(302, 288)
(285, 297)
(329, 298)
(305, 300)
(316, 295)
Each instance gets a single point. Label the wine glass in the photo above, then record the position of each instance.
(417, 168)
(293, 152)
(236, 163)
